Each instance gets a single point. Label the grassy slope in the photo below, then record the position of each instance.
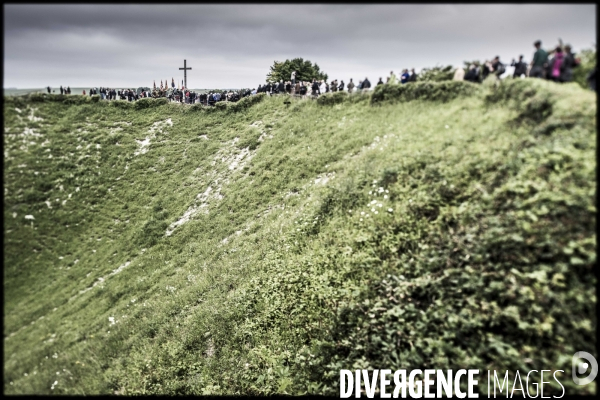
(278, 281)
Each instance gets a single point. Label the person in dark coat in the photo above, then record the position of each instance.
(62, 91)
(303, 89)
(378, 83)
(486, 70)
(471, 75)
(520, 67)
(281, 87)
(498, 67)
(341, 87)
(315, 88)
(569, 62)
(366, 84)
(413, 75)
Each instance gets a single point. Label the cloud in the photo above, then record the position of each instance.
(233, 45)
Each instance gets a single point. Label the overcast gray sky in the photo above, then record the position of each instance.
(232, 46)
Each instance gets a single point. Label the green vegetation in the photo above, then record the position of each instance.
(305, 71)
(259, 247)
(436, 74)
(588, 62)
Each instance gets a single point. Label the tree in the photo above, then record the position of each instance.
(305, 71)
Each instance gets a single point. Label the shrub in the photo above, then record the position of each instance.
(76, 99)
(57, 98)
(197, 107)
(430, 91)
(588, 62)
(332, 98)
(221, 106)
(150, 103)
(533, 103)
(41, 97)
(436, 74)
(121, 104)
(247, 102)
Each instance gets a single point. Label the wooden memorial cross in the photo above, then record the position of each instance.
(185, 73)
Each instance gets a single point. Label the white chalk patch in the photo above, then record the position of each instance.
(143, 149)
(33, 118)
(182, 220)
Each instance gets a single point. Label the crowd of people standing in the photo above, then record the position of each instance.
(556, 65)
(303, 88)
(66, 90)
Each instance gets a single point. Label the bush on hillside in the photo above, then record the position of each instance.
(197, 107)
(430, 91)
(41, 97)
(15, 101)
(534, 104)
(150, 103)
(221, 106)
(57, 98)
(247, 102)
(76, 99)
(121, 104)
(436, 74)
(330, 99)
(588, 62)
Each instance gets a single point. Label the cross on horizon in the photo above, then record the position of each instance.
(185, 73)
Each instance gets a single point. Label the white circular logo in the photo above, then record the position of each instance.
(582, 367)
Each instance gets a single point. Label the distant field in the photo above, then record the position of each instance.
(74, 90)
